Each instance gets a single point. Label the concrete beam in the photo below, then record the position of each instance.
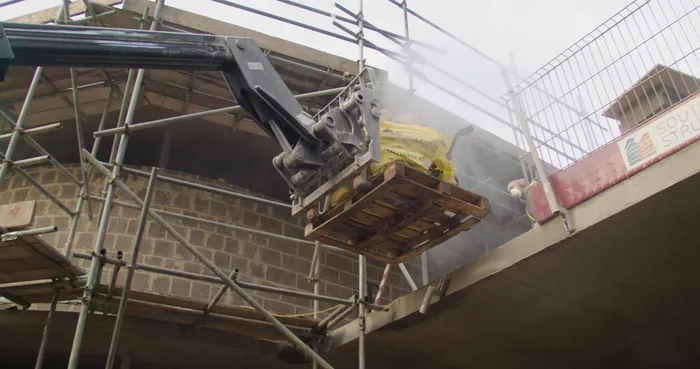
(66, 113)
(224, 119)
(146, 340)
(50, 109)
(502, 261)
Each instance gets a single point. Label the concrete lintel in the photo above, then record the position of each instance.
(17, 215)
(654, 179)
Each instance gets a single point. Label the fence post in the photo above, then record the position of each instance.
(547, 186)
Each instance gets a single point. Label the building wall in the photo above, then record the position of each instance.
(264, 260)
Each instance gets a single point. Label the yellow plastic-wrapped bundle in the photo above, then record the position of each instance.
(405, 140)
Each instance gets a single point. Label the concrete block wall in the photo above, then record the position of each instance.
(261, 259)
(483, 164)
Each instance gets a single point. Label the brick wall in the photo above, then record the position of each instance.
(263, 260)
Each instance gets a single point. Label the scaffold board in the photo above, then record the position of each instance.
(29, 258)
(185, 311)
(37, 292)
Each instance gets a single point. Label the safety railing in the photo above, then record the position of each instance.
(639, 63)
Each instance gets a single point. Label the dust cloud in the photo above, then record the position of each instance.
(460, 89)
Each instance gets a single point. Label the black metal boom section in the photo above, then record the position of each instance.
(310, 147)
(249, 73)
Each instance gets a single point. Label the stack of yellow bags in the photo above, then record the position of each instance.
(404, 139)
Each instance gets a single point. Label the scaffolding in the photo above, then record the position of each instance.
(99, 208)
(115, 169)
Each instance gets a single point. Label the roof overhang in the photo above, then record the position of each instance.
(680, 82)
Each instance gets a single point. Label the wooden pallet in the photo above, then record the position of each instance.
(405, 213)
(36, 292)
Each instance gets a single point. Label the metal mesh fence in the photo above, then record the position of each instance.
(638, 64)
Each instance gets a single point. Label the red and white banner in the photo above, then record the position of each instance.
(647, 144)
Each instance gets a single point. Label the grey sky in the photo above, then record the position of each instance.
(533, 31)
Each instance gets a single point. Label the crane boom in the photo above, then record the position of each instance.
(318, 154)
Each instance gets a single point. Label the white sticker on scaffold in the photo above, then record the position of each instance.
(662, 134)
(255, 66)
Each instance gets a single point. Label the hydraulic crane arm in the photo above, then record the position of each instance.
(247, 70)
(316, 152)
